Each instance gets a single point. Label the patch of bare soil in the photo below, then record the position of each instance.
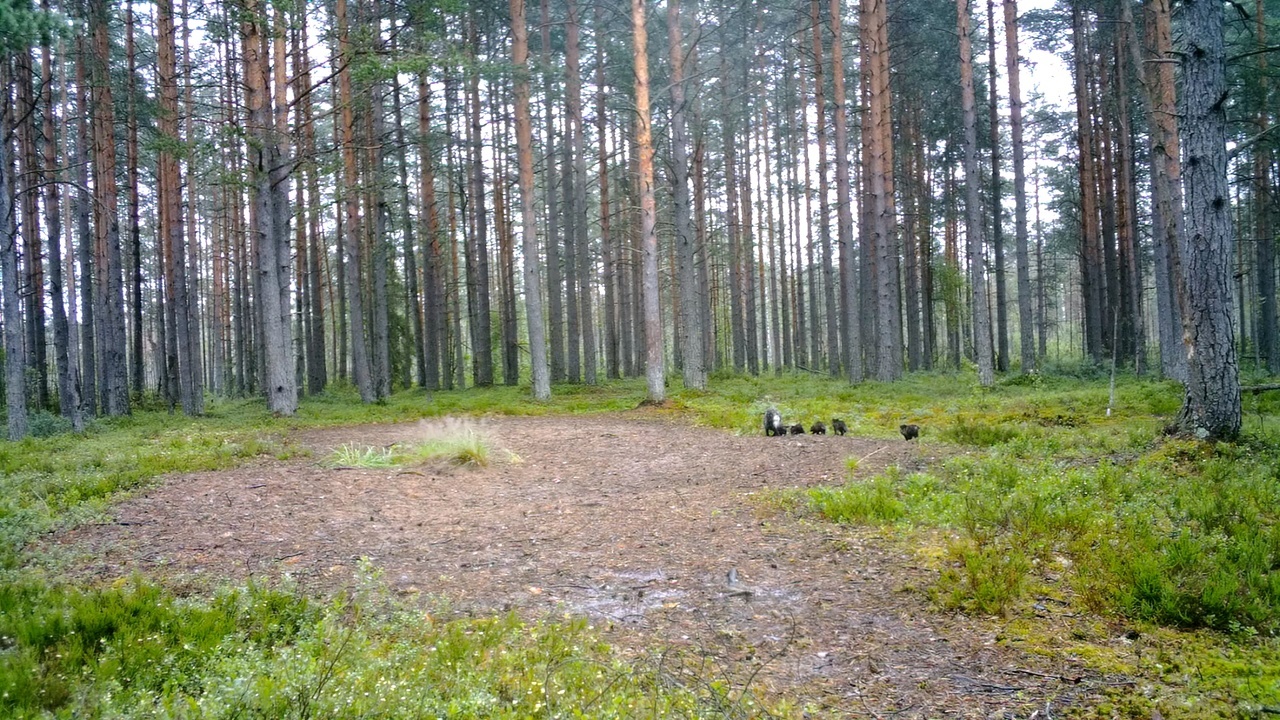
(641, 523)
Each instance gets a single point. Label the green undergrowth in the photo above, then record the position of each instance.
(1045, 495)
(133, 651)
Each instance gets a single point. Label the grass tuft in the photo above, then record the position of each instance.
(351, 455)
(453, 441)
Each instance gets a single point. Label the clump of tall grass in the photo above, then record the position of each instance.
(352, 455)
(455, 441)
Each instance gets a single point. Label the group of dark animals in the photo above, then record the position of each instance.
(773, 427)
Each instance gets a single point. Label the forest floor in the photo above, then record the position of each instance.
(661, 533)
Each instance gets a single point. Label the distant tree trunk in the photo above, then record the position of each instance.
(824, 211)
(793, 153)
(136, 365)
(851, 356)
(612, 364)
(85, 238)
(68, 374)
(582, 244)
(528, 220)
(1133, 327)
(317, 374)
(973, 208)
(434, 272)
(737, 299)
(351, 253)
(655, 369)
(690, 338)
(15, 385)
(555, 282)
(1166, 175)
(1093, 279)
(746, 245)
(951, 289)
(413, 294)
(194, 350)
(913, 189)
(381, 254)
(273, 261)
(32, 289)
(109, 283)
(1211, 408)
(1026, 324)
(573, 215)
(997, 235)
(703, 251)
(767, 189)
(879, 179)
(1268, 331)
(506, 254)
(173, 235)
(478, 306)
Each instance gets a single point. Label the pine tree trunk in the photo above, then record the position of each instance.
(193, 351)
(381, 254)
(612, 363)
(528, 220)
(1211, 408)
(68, 374)
(172, 231)
(434, 272)
(1026, 324)
(15, 386)
(32, 288)
(109, 282)
(1093, 277)
(655, 369)
(1268, 329)
(477, 256)
(690, 339)
(273, 259)
(317, 373)
(136, 364)
(824, 210)
(737, 301)
(850, 328)
(413, 294)
(1166, 183)
(350, 262)
(85, 237)
(973, 214)
(582, 244)
(997, 224)
(551, 189)
(506, 257)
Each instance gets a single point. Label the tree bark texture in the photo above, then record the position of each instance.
(1211, 408)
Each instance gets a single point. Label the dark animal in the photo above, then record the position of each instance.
(773, 426)
(818, 428)
(797, 429)
(909, 432)
(838, 427)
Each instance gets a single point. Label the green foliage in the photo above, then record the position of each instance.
(858, 502)
(134, 651)
(1176, 532)
(43, 424)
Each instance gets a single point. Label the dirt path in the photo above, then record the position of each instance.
(643, 524)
